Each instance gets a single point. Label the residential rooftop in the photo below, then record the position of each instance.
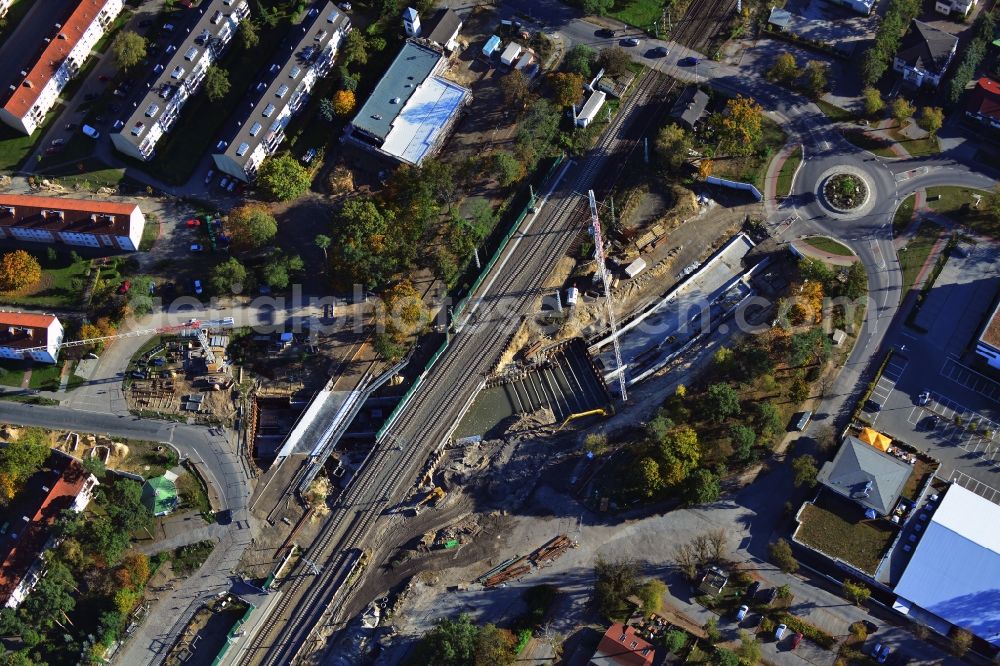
(68, 215)
(925, 47)
(24, 330)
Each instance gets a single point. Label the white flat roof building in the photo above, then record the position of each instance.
(510, 53)
(591, 108)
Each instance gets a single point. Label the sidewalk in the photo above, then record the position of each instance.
(803, 246)
(771, 178)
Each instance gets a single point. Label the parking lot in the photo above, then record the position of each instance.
(934, 394)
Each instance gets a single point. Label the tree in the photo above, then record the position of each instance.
(856, 592)
(450, 642)
(902, 109)
(322, 241)
(857, 281)
(495, 646)
(816, 78)
(749, 650)
(129, 48)
(873, 100)
(742, 437)
(137, 565)
(597, 7)
(365, 247)
(508, 169)
(649, 473)
(784, 69)
(651, 594)
(51, 598)
(355, 49)
(614, 60)
(19, 270)
(229, 277)
(961, 642)
(712, 632)
(387, 348)
(515, 89)
(566, 88)
(343, 102)
(672, 146)
(798, 391)
(805, 471)
(721, 402)
(616, 581)
(675, 640)
(249, 38)
(278, 270)
(250, 226)
(595, 443)
(931, 119)
(705, 167)
(740, 127)
(93, 465)
(20, 459)
(283, 177)
(781, 554)
(702, 487)
(679, 454)
(348, 81)
(579, 59)
(216, 83)
(326, 111)
(402, 312)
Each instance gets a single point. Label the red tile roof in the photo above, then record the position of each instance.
(29, 213)
(21, 330)
(20, 101)
(985, 98)
(622, 647)
(48, 499)
(59, 203)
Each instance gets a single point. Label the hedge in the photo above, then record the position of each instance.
(813, 633)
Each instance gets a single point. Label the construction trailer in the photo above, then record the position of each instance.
(591, 108)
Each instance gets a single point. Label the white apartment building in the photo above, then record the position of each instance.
(305, 58)
(959, 7)
(28, 335)
(178, 77)
(98, 224)
(34, 88)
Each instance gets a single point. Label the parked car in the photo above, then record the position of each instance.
(197, 286)
(689, 61)
(924, 398)
(103, 77)
(52, 150)
(125, 286)
(779, 632)
(658, 52)
(605, 33)
(742, 613)
(769, 595)
(308, 157)
(346, 6)
(796, 639)
(231, 186)
(223, 182)
(872, 406)
(931, 422)
(56, 143)
(197, 247)
(753, 589)
(884, 654)
(630, 41)
(90, 97)
(71, 126)
(208, 176)
(193, 222)
(876, 650)
(91, 132)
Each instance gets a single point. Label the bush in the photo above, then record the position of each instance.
(781, 554)
(813, 633)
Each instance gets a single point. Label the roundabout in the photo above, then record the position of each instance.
(845, 192)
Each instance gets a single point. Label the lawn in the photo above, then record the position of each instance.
(753, 169)
(89, 173)
(60, 288)
(787, 172)
(916, 147)
(639, 13)
(150, 233)
(12, 372)
(16, 147)
(829, 245)
(913, 256)
(957, 203)
(904, 215)
(837, 527)
(45, 377)
(921, 470)
(835, 113)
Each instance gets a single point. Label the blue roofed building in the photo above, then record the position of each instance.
(953, 577)
(411, 110)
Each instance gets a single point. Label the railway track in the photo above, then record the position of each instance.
(701, 22)
(424, 423)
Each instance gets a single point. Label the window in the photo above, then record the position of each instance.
(295, 71)
(191, 54)
(178, 72)
(242, 150)
(255, 129)
(268, 110)
(151, 110)
(281, 91)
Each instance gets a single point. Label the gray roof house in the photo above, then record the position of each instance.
(868, 476)
(924, 54)
(258, 128)
(443, 28)
(177, 78)
(689, 107)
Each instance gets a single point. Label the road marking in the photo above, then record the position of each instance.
(970, 379)
(976, 486)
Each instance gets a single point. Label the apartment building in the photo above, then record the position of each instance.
(24, 335)
(98, 224)
(306, 57)
(178, 77)
(50, 61)
(924, 54)
(960, 7)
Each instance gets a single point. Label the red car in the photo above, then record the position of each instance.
(796, 639)
(193, 222)
(126, 285)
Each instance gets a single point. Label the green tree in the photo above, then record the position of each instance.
(749, 650)
(721, 402)
(387, 348)
(365, 249)
(229, 277)
(675, 640)
(679, 455)
(567, 88)
(94, 466)
(781, 554)
(711, 628)
(702, 487)
(450, 642)
(249, 37)
(784, 69)
(579, 60)
(650, 477)
(20, 459)
(931, 119)
(278, 270)
(961, 642)
(856, 592)
(614, 60)
(805, 471)
(326, 111)
(507, 168)
(857, 281)
(798, 391)
(283, 177)
(816, 78)
(616, 581)
(816, 271)
(322, 241)
(516, 89)
(812, 346)
(597, 7)
(250, 226)
(725, 657)
(902, 109)
(672, 146)
(355, 49)
(742, 437)
(51, 598)
(651, 594)
(873, 100)
(495, 646)
(216, 83)
(129, 49)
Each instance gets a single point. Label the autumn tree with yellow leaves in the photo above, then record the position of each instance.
(739, 128)
(19, 270)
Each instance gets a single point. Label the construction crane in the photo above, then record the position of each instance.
(190, 325)
(599, 257)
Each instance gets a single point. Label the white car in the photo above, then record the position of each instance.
(924, 398)
(91, 132)
(779, 632)
(198, 290)
(308, 157)
(742, 613)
